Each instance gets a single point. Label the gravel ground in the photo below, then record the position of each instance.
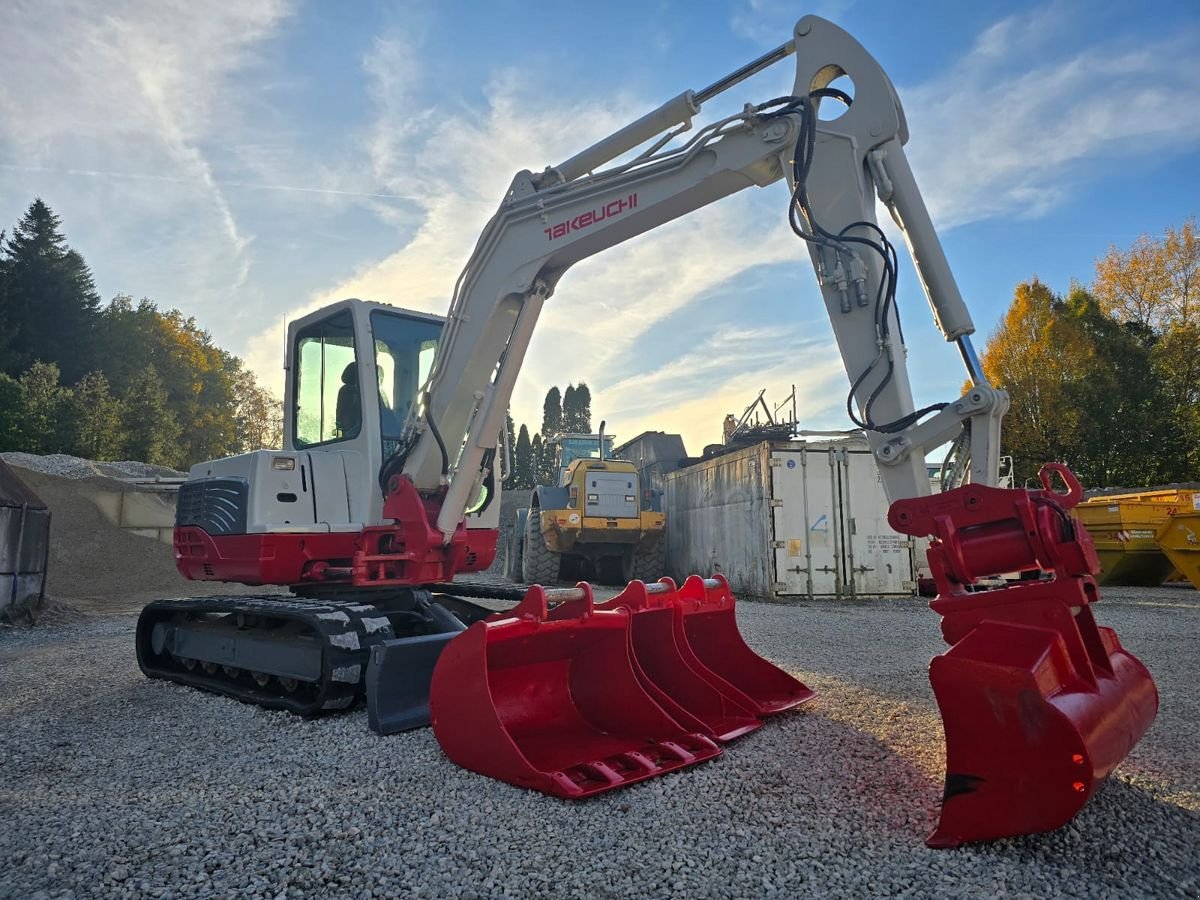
(112, 785)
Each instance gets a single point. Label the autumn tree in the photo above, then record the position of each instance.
(1035, 354)
(1155, 286)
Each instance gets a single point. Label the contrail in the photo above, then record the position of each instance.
(172, 179)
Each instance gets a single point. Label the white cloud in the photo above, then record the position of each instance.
(458, 163)
(1012, 128)
(137, 88)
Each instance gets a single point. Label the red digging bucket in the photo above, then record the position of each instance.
(671, 674)
(551, 701)
(706, 627)
(1039, 704)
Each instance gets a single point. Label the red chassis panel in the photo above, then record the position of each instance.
(407, 553)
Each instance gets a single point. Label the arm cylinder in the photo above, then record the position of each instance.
(908, 209)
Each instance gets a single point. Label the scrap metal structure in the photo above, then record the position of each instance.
(387, 488)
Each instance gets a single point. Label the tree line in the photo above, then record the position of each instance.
(563, 412)
(1107, 377)
(122, 381)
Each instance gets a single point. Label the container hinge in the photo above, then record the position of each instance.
(909, 586)
(778, 587)
(775, 504)
(778, 545)
(775, 461)
(908, 543)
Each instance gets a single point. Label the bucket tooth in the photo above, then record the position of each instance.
(1039, 704)
(552, 701)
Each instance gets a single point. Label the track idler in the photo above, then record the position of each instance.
(1039, 703)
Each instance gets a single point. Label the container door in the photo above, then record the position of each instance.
(878, 560)
(807, 525)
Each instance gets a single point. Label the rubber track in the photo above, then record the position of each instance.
(346, 630)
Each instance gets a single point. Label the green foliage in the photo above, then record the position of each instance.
(581, 409)
(537, 454)
(92, 420)
(522, 473)
(11, 416)
(136, 381)
(42, 400)
(552, 413)
(48, 300)
(152, 430)
(1106, 380)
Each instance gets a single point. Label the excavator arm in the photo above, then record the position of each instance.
(836, 169)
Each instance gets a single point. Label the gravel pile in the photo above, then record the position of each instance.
(65, 466)
(113, 785)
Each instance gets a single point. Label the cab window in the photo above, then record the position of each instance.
(327, 400)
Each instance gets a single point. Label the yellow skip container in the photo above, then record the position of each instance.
(1126, 529)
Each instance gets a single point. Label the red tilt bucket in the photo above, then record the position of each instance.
(1039, 704)
(551, 700)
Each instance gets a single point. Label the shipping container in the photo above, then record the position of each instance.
(789, 519)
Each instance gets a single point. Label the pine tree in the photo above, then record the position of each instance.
(583, 408)
(522, 473)
(10, 414)
(552, 414)
(570, 414)
(49, 302)
(151, 429)
(536, 453)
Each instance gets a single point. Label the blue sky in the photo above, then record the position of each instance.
(248, 162)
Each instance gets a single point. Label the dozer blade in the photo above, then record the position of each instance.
(706, 625)
(1038, 703)
(670, 673)
(552, 701)
(400, 670)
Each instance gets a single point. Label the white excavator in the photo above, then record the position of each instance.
(388, 484)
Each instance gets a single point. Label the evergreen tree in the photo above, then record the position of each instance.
(48, 301)
(570, 417)
(583, 408)
(11, 417)
(536, 453)
(552, 414)
(42, 400)
(522, 473)
(92, 419)
(151, 429)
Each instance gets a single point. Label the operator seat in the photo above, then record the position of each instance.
(347, 417)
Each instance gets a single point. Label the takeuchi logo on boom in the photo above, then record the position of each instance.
(591, 217)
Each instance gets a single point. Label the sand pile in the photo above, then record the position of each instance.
(94, 565)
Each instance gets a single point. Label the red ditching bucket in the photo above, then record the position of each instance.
(669, 670)
(1039, 704)
(707, 629)
(552, 701)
